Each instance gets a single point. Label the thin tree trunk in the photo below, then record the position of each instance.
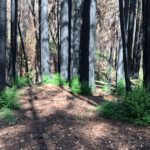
(124, 31)
(76, 38)
(146, 52)
(64, 38)
(120, 65)
(138, 43)
(23, 49)
(2, 43)
(132, 31)
(14, 24)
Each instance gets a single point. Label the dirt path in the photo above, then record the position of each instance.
(53, 119)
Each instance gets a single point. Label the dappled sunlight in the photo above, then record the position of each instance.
(56, 120)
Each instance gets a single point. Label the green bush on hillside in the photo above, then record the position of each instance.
(8, 98)
(54, 80)
(134, 108)
(20, 82)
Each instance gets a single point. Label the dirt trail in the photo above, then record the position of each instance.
(52, 119)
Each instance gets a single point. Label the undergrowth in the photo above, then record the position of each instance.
(9, 99)
(133, 108)
(75, 85)
(120, 89)
(20, 82)
(80, 88)
(54, 80)
(7, 115)
(106, 88)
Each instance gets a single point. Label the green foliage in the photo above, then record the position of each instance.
(7, 115)
(121, 91)
(80, 88)
(20, 82)
(75, 85)
(8, 98)
(54, 80)
(106, 88)
(46, 79)
(134, 108)
(85, 89)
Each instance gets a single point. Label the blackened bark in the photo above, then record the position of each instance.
(131, 31)
(22, 28)
(138, 46)
(146, 52)
(76, 38)
(88, 31)
(23, 49)
(2, 43)
(14, 25)
(70, 39)
(124, 31)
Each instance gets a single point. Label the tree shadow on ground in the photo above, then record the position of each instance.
(90, 99)
(63, 131)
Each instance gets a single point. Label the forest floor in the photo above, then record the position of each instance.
(51, 118)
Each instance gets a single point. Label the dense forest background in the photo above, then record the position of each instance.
(75, 74)
(113, 27)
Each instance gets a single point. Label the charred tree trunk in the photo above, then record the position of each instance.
(76, 38)
(14, 25)
(146, 52)
(2, 43)
(132, 31)
(88, 32)
(124, 34)
(138, 43)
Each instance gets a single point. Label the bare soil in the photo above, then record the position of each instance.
(51, 118)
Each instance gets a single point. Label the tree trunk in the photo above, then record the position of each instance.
(76, 38)
(44, 38)
(138, 43)
(146, 52)
(2, 43)
(14, 25)
(132, 31)
(124, 34)
(120, 66)
(64, 38)
(88, 33)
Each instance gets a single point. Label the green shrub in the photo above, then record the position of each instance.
(121, 91)
(8, 98)
(75, 85)
(54, 80)
(20, 82)
(46, 79)
(7, 115)
(134, 108)
(86, 89)
(106, 88)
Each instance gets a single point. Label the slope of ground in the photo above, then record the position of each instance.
(53, 119)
